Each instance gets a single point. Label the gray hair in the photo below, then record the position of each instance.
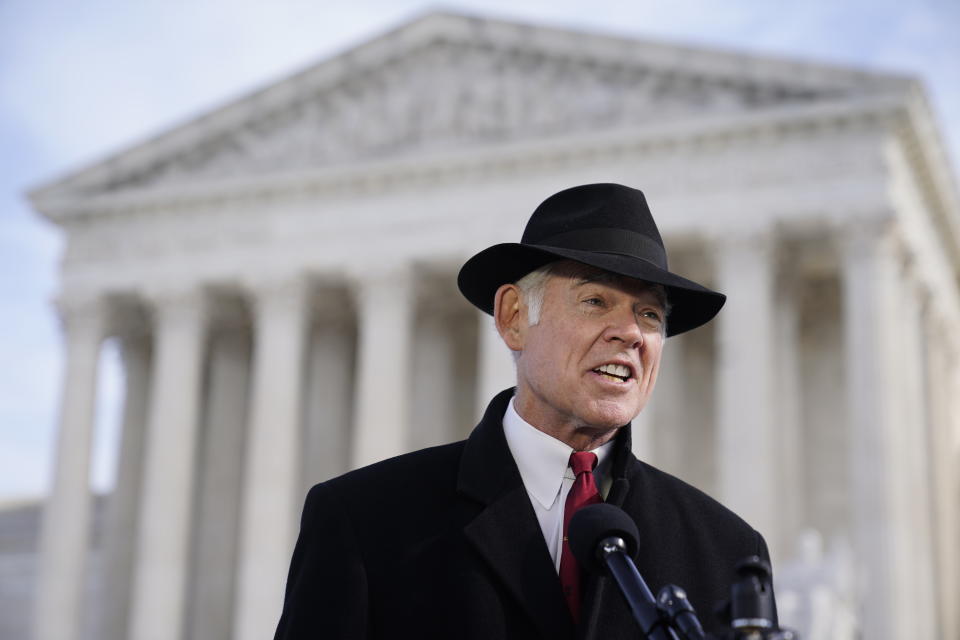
(532, 287)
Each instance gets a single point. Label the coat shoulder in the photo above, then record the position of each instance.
(425, 477)
(688, 538)
(416, 464)
(669, 493)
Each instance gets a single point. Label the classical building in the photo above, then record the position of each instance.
(280, 274)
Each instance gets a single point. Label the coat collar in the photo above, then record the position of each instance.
(506, 532)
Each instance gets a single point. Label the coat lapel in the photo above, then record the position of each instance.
(506, 532)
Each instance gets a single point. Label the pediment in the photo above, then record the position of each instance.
(451, 81)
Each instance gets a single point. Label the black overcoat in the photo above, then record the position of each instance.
(444, 543)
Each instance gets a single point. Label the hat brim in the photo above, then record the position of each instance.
(691, 304)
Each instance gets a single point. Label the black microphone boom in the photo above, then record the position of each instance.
(672, 600)
(603, 539)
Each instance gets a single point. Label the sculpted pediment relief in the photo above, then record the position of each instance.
(449, 92)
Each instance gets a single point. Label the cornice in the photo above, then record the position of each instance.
(622, 49)
(733, 69)
(929, 168)
(483, 162)
(925, 151)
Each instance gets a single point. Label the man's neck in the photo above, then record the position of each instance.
(577, 436)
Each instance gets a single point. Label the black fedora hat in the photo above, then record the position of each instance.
(608, 226)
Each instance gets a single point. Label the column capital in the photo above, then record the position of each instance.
(88, 312)
(174, 293)
(276, 284)
(287, 292)
(392, 271)
(189, 304)
(861, 236)
(369, 285)
(757, 234)
(755, 237)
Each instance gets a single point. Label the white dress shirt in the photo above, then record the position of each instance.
(543, 462)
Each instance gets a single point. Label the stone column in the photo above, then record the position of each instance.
(220, 484)
(66, 519)
(872, 311)
(913, 436)
(433, 386)
(384, 311)
(664, 440)
(120, 529)
(787, 390)
(169, 469)
(496, 370)
(271, 501)
(746, 424)
(944, 367)
(641, 438)
(950, 491)
(329, 397)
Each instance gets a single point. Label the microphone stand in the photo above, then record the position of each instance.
(612, 551)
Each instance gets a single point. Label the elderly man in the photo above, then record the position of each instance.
(468, 540)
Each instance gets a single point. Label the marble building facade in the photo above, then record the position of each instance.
(280, 276)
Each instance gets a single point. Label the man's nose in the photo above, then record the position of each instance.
(625, 327)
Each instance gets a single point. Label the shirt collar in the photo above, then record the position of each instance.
(541, 458)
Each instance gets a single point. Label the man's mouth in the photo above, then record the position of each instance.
(616, 372)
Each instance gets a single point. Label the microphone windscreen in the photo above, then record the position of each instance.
(592, 524)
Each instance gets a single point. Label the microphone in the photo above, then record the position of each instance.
(751, 596)
(603, 539)
(593, 523)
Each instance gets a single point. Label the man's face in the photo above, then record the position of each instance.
(591, 362)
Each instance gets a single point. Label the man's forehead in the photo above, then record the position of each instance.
(583, 274)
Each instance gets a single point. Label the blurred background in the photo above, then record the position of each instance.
(112, 112)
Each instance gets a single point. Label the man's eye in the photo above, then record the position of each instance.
(597, 302)
(651, 317)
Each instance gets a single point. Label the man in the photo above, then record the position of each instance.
(467, 540)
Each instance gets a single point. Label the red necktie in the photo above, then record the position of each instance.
(582, 493)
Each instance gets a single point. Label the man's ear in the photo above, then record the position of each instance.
(508, 315)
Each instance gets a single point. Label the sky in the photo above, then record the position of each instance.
(82, 80)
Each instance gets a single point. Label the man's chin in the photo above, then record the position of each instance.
(591, 436)
(611, 415)
(605, 422)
